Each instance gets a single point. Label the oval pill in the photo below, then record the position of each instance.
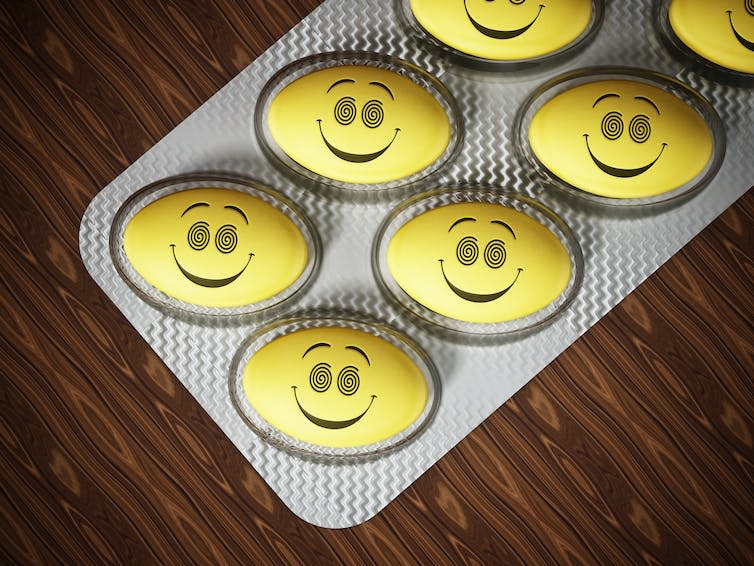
(621, 139)
(479, 262)
(215, 247)
(335, 387)
(719, 31)
(359, 124)
(504, 30)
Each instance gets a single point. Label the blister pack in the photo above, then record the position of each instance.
(394, 218)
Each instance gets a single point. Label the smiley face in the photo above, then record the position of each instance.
(359, 124)
(215, 247)
(719, 31)
(504, 30)
(478, 262)
(335, 387)
(494, 256)
(621, 139)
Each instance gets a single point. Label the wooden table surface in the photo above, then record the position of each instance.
(635, 445)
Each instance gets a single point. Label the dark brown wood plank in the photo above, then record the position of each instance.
(633, 446)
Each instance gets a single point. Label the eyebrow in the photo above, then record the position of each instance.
(341, 81)
(467, 219)
(194, 206)
(238, 210)
(645, 99)
(604, 96)
(375, 83)
(504, 225)
(360, 351)
(317, 345)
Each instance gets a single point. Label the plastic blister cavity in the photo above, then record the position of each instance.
(358, 120)
(503, 35)
(478, 260)
(334, 388)
(712, 38)
(621, 136)
(213, 245)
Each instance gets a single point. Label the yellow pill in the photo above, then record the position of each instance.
(359, 124)
(335, 387)
(215, 247)
(504, 30)
(621, 139)
(479, 262)
(720, 31)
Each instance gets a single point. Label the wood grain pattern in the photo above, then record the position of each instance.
(633, 446)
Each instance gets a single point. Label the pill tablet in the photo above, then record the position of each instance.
(506, 31)
(624, 136)
(369, 125)
(721, 32)
(485, 266)
(213, 248)
(334, 385)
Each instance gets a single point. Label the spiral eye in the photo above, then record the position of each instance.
(226, 238)
(749, 7)
(495, 254)
(198, 235)
(345, 110)
(320, 377)
(372, 113)
(639, 128)
(612, 125)
(467, 250)
(348, 380)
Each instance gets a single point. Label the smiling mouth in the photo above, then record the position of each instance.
(355, 157)
(325, 423)
(745, 42)
(500, 33)
(477, 297)
(203, 281)
(616, 171)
